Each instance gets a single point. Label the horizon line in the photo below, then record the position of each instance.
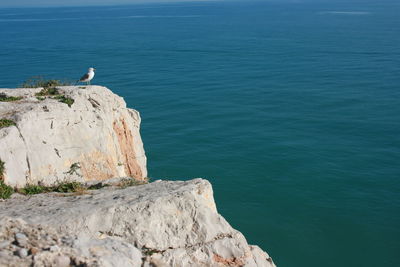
(141, 2)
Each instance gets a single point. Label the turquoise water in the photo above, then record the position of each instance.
(291, 110)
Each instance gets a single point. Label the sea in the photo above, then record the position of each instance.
(291, 109)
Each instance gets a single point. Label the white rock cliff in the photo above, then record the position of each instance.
(96, 138)
(164, 223)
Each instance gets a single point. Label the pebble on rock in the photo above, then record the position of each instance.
(22, 240)
(4, 244)
(63, 261)
(54, 248)
(34, 251)
(20, 236)
(22, 252)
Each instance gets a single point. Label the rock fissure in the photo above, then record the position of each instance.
(200, 244)
(94, 103)
(57, 152)
(26, 156)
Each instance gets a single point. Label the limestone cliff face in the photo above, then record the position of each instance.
(95, 138)
(164, 223)
(160, 224)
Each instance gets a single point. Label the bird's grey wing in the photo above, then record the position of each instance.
(84, 77)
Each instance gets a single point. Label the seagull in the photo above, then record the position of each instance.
(88, 76)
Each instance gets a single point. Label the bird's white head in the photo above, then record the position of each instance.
(91, 69)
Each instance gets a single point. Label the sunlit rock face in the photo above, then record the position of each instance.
(164, 223)
(95, 138)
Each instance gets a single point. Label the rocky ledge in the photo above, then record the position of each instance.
(163, 223)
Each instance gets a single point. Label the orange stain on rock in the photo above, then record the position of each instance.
(125, 141)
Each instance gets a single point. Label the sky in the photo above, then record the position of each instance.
(41, 3)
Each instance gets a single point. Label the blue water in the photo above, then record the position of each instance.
(291, 110)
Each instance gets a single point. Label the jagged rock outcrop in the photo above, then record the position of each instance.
(95, 138)
(163, 223)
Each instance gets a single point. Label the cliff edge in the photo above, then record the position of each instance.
(68, 133)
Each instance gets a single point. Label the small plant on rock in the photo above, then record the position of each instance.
(2, 168)
(70, 187)
(97, 186)
(64, 99)
(54, 93)
(149, 251)
(5, 98)
(39, 81)
(74, 169)
(5, 190)
(33, 189)
(51, 91)
(6, 123)
(127, 182)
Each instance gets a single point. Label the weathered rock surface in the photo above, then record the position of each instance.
(47, 247)
(96, 141)
(164, 223)
(96, 138)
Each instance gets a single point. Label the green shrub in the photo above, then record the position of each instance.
(55, 94)
(149, 251)
(127, 182)
(6, 123)
(97, 186)
(71, 187)
(51, 91)
(2, 168)
(39, 81)
(5, 98)
(68, 187)
(5, 190)
(64, 99)
(34, 189)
